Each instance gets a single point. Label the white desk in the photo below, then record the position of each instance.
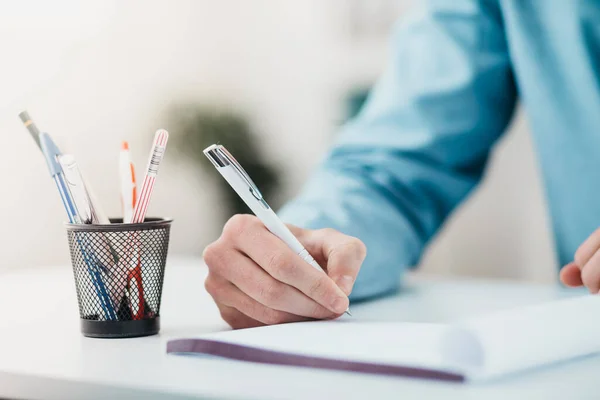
(43, 355)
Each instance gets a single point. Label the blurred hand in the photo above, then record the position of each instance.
(585, 269)
(255, 279)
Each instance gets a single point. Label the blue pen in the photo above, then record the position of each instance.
(51, 153)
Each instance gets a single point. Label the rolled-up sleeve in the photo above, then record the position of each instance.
(421, 142)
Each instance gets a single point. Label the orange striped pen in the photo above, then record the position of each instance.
(128, 186)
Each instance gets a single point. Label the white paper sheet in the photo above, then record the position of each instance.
(410, 344)
(517, 339)
(484, 347)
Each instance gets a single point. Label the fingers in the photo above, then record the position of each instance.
(587, 249)
(344, 254)
(231, 266)
(285, 266)
(255, 278)
(236, 319)
(570, 275)
(587, 260)
(590, 274)
(241, 311)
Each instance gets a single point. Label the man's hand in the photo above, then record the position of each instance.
(255, 279)
(585, 269)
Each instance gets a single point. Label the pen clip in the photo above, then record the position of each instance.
(51, 153)
(222, 154)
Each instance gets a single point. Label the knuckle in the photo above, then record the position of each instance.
(328, 231)
(279, 265)
(235, 323)
(359, 247)
(212, 254)
(320, 312)
(317, 287)
(273, 317)
(589, 277)
(209, 285)
(230, 316)
(272, 294)
(214, 288)
(226, 313)
(275, 262)
(579, 257)
(353, 249)
(238, 224)
(289, 272)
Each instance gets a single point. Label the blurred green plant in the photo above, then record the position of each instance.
(195, 127)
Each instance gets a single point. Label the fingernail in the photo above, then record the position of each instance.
(339, 305)
(345, 283)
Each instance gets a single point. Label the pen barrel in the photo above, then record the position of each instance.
(309, 259)
(279, 229)
(266, 215)
(119, 273)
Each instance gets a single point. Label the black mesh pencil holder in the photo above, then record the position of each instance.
(119, 271)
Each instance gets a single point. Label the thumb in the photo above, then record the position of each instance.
(570, 275)
(341, 256)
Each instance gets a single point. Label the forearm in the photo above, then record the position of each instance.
(393, 203)
(421, 142)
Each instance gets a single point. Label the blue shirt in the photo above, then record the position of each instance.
(421, 143)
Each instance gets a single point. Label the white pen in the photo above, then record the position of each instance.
(87, 213)
(83, 205)
(239, 180)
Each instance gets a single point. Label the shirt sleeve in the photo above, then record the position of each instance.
(420, 143)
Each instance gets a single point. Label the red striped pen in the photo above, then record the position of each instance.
(134, 278)
(156, 155)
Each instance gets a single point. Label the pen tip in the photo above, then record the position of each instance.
(348, 312)
(125, 145)
(24, 115)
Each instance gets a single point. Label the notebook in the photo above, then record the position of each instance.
(481, 348)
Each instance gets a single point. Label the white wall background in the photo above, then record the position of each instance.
(95, 73)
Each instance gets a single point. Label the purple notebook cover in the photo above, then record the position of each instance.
(253, 354)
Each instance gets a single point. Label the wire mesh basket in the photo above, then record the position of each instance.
(119, 272)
